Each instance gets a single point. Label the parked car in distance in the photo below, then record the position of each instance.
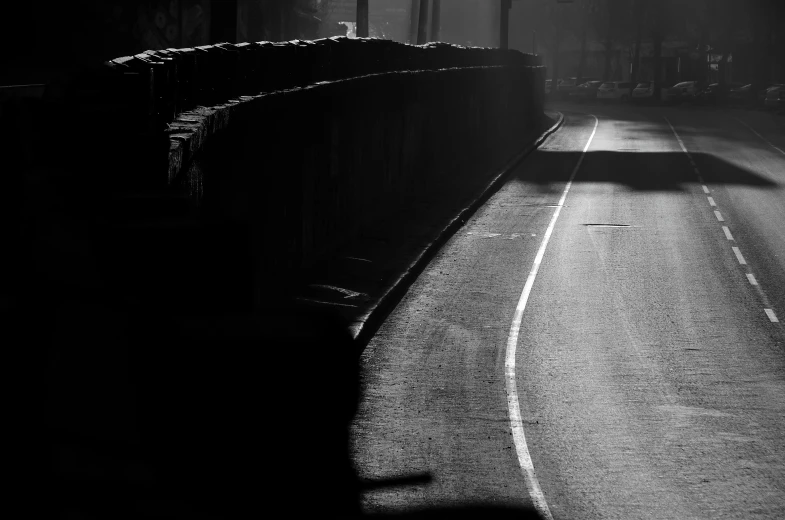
(643, 90)
(761, 93)
(586, 91)
(775, 97)
(565, 86)
(715, 93)
(684, 91)
(614, 90)
(741, 95)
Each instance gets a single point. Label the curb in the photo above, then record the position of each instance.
(367, 324)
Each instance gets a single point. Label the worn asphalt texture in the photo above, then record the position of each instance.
(651, 378)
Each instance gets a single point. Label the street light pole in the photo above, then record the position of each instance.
(436, 13)
(362, 19)
(413, 11)
(504, 21)
(422, 23)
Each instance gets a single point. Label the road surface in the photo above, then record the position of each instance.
(641, 368)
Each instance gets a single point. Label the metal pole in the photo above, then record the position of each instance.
(436, 20)
(422, 23)
(415, 8)
(362, 19)
(504, 24)
(180, 21)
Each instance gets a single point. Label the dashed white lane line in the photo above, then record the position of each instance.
(739, 256)
(769, 312)
(760, 136)
(513, 403)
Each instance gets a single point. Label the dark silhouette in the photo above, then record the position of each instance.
(234, 416)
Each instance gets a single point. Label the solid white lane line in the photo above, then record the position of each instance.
(711, 202)
(739, 256)
(705, 189)
(727, 233)
(719, 216)
(761, 137)
(513, 404)
(751, 278)
(771, 315)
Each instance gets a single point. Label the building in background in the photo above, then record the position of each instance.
(41, 43)
(463, 22)
(472, 23)
(38, 43)
(387, 19)
(161, 24)
(273, 20)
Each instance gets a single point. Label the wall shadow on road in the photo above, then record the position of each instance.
(233, 416)
(641, 171)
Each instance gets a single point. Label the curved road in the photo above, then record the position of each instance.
(650, 360)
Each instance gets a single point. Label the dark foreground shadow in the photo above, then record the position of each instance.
(210, 417)
(642, 171)
(155, 415)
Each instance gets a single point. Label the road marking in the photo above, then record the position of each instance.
(711, 202)
(513, 404)
(309, 300)
(739, 256)
(689, 155)
(761, 137)
(484, 234)
(346, 292)
(736, 250)
(717, 214)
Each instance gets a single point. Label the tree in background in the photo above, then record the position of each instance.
(767, 25)
(558, 23)
(639, 11)
(584, 22)
(731, 18)
(665, 17)
(753, 29)
(284, 20)
(613, 20)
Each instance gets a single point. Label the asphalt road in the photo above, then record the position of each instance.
(648, 367)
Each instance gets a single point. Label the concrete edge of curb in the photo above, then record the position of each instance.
(364, 329)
